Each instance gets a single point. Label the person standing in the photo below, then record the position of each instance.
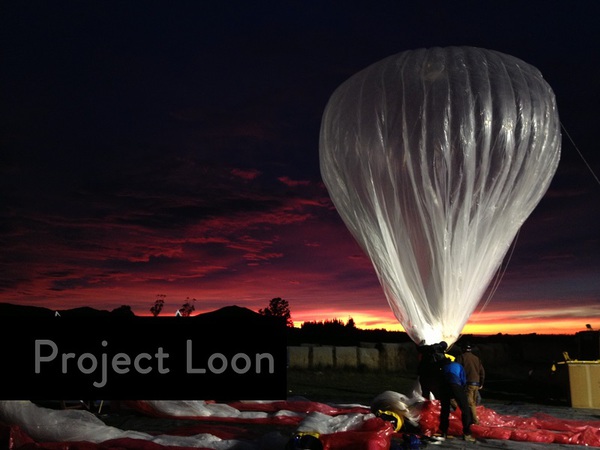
(429, 369)
(475, 377)
(454, 381)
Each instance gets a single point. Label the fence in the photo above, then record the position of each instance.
(401, 357)
(377, 357)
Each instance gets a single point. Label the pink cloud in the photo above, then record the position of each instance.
(246, 174)
(293, 183)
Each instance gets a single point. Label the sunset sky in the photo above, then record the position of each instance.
(171, 148)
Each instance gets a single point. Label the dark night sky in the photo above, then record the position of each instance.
(172, 148)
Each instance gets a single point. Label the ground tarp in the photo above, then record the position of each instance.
(270, 426)
(537, 428)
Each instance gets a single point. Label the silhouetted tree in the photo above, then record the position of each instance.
(350, 323)
(329, 324)
(188, 307)
(158, 305)
(278, 307)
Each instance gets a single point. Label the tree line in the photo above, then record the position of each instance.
(277, 307)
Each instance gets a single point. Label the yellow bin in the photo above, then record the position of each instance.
(584, 382)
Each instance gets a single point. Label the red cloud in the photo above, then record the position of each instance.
(293, 183)
(246, 174)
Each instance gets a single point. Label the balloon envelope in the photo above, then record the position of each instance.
(434, 158)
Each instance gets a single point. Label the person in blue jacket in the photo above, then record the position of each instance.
(454, 382)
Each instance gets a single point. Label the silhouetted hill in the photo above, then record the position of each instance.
(227, 315)
(34, 312)
(229, 312)
(232, 318)
(11, 310)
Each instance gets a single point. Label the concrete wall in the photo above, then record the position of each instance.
(388, 357)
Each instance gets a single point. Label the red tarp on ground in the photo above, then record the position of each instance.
(538, 428)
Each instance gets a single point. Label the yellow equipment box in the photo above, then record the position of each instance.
(584, 382)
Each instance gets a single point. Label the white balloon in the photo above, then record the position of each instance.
(434, 158)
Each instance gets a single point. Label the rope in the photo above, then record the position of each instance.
(580, 154)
